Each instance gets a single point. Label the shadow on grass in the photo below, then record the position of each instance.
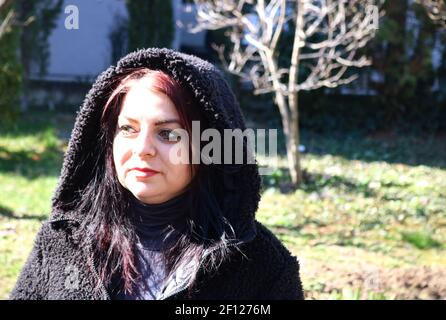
(7, 213)
(36, 122)
(335, 238)
(31, 164)
(314, 182)
(410, 149)
(49, 128)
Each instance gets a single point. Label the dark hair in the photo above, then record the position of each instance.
(106, 203)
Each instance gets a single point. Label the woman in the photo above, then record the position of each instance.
(131, 219)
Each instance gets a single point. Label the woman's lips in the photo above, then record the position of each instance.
(143, 173)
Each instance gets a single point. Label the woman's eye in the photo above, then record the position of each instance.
(169, 135)
(125, 129)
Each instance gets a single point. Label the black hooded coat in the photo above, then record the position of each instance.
(261, 268)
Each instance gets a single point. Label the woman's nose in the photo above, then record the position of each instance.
(144, 145)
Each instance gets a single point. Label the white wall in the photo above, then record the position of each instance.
(83, 52)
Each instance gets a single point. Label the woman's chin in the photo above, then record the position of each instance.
(142, 194)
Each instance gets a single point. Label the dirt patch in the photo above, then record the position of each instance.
(393, 283)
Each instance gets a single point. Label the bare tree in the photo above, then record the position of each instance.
(9, 16)
(327, 37)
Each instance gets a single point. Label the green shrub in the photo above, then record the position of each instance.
(421, 240)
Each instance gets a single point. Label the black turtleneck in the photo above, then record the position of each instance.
(159, 225)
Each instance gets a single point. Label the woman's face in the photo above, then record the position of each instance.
(142, 142)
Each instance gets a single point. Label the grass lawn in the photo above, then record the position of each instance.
(369, 221)
(30, 161)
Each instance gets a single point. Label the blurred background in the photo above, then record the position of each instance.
(361, 203)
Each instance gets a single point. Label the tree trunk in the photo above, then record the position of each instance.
(289, 123)
(293, 143)
(290, 128)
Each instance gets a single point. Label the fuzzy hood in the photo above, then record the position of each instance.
(216, 102)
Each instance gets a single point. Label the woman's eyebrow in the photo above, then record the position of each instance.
(167, 121)
(127, 118)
